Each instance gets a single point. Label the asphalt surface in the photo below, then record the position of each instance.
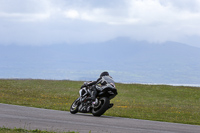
(52, 120)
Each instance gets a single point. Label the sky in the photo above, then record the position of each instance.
(45, 22)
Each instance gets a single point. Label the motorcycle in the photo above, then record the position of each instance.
(102, 102)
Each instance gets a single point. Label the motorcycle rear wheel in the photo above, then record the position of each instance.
(74, 106)
(102, 106)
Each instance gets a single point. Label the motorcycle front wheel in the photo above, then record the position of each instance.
(74, 106)
(101, 107)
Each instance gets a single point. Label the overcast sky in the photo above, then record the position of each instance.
(42, 22)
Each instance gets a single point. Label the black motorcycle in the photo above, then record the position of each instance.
(102, 102)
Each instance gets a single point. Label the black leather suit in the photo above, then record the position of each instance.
(99, 85)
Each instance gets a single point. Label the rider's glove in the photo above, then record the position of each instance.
(83, 86)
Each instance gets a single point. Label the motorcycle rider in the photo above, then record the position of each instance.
(100, 84)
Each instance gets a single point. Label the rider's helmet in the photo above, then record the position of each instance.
(104, 74)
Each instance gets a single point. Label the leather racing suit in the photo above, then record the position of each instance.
(101, 84)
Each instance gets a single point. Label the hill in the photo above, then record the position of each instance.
(127, 61)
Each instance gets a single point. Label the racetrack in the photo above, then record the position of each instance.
(35, 118)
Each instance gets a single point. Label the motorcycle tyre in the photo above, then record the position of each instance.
(74, 111)
(103, 108)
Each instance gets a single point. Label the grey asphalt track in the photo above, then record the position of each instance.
(35, 118)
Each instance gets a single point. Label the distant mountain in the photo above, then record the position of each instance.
(127, 61)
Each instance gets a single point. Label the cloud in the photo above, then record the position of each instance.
(94, 20)
(25, 17)
(71, 14)
(20, 10)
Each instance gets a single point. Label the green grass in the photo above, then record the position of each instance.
(20, 130)
(151, 102)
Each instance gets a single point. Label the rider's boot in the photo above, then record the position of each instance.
(93, 95)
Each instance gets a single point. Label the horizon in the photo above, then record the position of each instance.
(190, 85)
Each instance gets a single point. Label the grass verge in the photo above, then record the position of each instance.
(20, 130)
(177, 104)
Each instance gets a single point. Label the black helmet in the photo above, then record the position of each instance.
(104, 74)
